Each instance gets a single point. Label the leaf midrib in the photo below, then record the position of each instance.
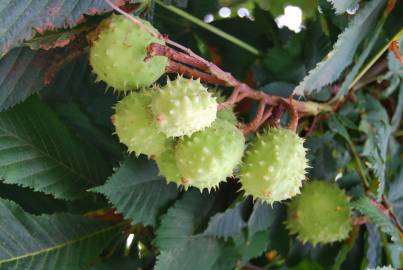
(59, 246)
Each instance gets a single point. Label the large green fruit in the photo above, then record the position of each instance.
(183, 106)
(321, 214)
(209, 156)
(118, 51)
(274, 166)
(135, 126)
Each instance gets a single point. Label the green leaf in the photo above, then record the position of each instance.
(21, 20)
(137, 191)
(343, 51)
(226, 224)
(30, 201)
(365, 206)
(262, 217)
(306, 265)
(286, 62)
(374, 249)
(59, 241)
(375, 123)
(37, 151)
(121, 263)
(198, 253)
(360, 61)
(80, 122)
(251, 247)
(181, 247)
(342, 6)
(183, 219)
(395, 195)
(22, 73)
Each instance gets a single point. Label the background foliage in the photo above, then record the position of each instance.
(71, 197)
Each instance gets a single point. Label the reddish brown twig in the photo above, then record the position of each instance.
(293, 114)
(360, 221)
(387, 210)
(255, 123)
(175, 67)
(394, 47)
(161, 50)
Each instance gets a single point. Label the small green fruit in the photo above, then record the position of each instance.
(166, 163)
(321, 214)
(228, 115)
(182, 107)
(209, 156)
(117, 54)
(274, 166)
(135, 127)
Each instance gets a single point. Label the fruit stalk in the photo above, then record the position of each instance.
(191, 65)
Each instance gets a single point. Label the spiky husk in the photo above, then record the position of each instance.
(209, 156)
(183, 106)
(166, 163)
(274, 166)
(118, 51)
(228, 115)
(321, 214)
(135, 125)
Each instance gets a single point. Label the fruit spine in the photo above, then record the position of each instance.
(321, 214)
(274, 166)
(118, 50)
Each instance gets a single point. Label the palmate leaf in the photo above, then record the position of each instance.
(181, 247)
(365, 206)
(37, 151)
(22, 73)
(343, 51)
(342, 6)
(137, 191)
(22, 19)
(59, 241)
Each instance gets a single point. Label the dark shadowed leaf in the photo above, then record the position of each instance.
(59, 241)
(22, 73)
(181, 247)
(226, 224)
(21, 20)
(375, 124)
(38, 151)
(136, 190)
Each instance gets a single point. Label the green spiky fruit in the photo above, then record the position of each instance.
(228, 115)
(183, 106)
(135, 126)
(118, 51)
(321, 214)
(274, 166)
(209, 156)
(166, 163)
